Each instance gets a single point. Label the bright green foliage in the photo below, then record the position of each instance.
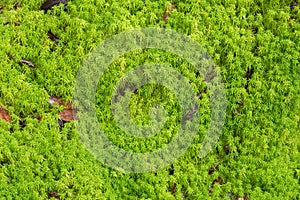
(257, 155)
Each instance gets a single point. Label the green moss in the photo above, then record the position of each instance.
(257, 154)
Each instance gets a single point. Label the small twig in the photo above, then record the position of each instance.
(210, 75)
(190, 114)
(53, 37)
(26, 62)
(248, 76)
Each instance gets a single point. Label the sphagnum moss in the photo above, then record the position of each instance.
(257, 155)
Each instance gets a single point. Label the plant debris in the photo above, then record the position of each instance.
(210, 75)
(22, 124)
(173, 188)
(190, 114)
(49, 4)
(26, 62)
(293, 5)
(55, 101)
(53, 37)
(4, 114)
(66, 115)
(201, 93)
(10, 57)
(171, 170)
(17, 6)
(216, 181)
(227, 149)
(166, 14)
(61, 123)
(53, 195)
(241, 198)
(121, 90)
(249, 73)
(248, 76)
(39, 118)
(14, 23)
(193, 110)
(238, 109)
(213, 169)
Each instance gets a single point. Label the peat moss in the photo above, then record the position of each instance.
(257, 155)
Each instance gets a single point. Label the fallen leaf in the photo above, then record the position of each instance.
(55, 101)
(4, 114)
(67, 115)
(171, 7)
(166, 14)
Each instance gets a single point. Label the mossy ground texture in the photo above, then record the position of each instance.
(255, 45)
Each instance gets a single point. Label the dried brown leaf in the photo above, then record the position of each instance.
(67, 115)
(4, 114)
(166, 14)
(55, 101)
